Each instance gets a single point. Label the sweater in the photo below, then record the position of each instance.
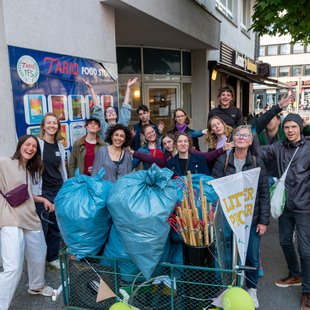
(232, 116)
(24, 216)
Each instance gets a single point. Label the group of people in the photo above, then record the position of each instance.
(109, 143)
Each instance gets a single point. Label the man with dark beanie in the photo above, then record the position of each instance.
(297, 205)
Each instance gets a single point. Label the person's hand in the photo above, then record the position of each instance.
(285, 101)
(228, 145)
(161, 127)
(205, 131)
(86, 83)
(48, 205)
(131, 82)
(133, 132)
(261, 229)
(90, 169)
(128, 149)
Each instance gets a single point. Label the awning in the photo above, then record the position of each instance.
(245, 75)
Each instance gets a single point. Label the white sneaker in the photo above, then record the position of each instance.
(55, 263)
(253, 294)
(44, 291)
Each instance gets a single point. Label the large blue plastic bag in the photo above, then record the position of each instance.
(208, 190)
(82, 215)
(140, 204)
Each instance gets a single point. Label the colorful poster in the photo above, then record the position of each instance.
(35, 131)
(55, 79)
(65, 134)
(89, 105)
(35, 108)
(106, 101)
(237, 194)
(77, 131)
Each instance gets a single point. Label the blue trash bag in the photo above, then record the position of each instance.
(140, 204)
(82, 214)
(128, 270)
(208, 190)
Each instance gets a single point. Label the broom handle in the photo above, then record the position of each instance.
(191, 190)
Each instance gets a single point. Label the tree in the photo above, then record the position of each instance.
(282, 17)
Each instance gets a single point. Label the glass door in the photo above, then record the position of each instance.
(162, 100)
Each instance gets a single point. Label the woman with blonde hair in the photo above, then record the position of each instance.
(54, 174)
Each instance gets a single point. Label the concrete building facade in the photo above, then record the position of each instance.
(177, 44)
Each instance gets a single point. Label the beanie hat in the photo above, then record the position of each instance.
(295, 118)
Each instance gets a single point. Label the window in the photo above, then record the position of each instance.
(271, 50)
(273, 71)
(187, 63)
(298, 48)
(225, 7)
(297, 70)
(284, 71)
(285, 49)
(308, 48)
(244, 20)
(128, 60)
(262, 51)
(307, 70)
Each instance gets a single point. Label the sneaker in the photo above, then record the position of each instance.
(253, 294)
(305, 303)
(261, 271)
(55, 263)
(44, 291)
(289, 281)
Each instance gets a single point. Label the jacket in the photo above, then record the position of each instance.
(145, 149)
(124, 118)
(297, 182)
(77, 158)
(137, 129)
(195, 139)
(197, 164)
(235, 120)
(262, 203)
(37, 188)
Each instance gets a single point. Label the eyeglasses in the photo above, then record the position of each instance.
(110, 111)
(243, 136)
(180, 116)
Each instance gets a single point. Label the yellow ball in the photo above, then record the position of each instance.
(120, 306)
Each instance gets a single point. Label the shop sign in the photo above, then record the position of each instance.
(239, 60)
(251, 66)
(54, 85)
(292, 83)
(305, 83)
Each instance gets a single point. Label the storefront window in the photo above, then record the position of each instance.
(187, 63)
(285, 49)
(128, 60)
(306, 105)
(308, 49)
(158, 61)
(271, 100)
(307, 70)
(259, 102)
(271, 50)
(284, 71)
(297, 70)
(298, 48)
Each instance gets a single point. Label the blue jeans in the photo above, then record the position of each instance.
(51, 232)
(287, 222)
(252, 258)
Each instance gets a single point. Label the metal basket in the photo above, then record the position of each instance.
(171, 287)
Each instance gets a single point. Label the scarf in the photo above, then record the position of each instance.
(180, 128)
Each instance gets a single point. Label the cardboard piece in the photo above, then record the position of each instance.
(219, 300)
(104, 292)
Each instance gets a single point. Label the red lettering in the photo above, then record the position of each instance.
(51, 64)
(70, 68)
(58, 67)
(65, 67)
(76, 72)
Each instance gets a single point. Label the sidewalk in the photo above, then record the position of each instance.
(269, 295)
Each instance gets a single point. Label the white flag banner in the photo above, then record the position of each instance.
(237, 194)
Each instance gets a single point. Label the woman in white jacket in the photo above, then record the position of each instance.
(54, 174)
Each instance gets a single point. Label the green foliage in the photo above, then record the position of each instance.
(283, 17)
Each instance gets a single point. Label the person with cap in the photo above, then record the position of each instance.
(297, 204)
(108, 117)
(84, 149)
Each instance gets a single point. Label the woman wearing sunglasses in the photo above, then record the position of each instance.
(185, 160)
(113, 158)
(108, 117)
